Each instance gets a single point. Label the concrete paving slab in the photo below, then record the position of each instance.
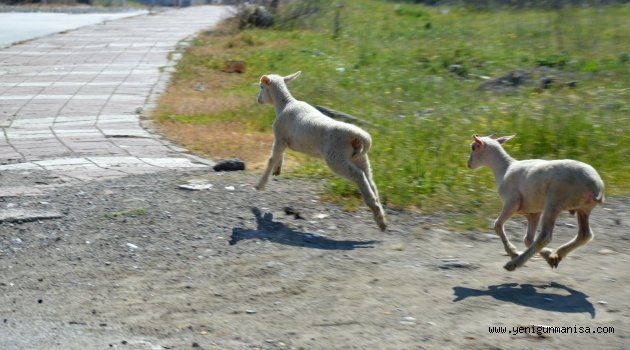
(69, 102)
(25, 215)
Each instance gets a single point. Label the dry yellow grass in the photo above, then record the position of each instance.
(221, 140)
(215, 138)
(182, 99)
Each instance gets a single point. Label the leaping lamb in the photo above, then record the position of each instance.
(534, 187)
(301, 127)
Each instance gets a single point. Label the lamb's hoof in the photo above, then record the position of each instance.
(277, 172)
(510, 266)
(553, 259)
(513, 253)
(382, 226)
(259, 187)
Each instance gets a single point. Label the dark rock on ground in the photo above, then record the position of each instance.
(513, 79)
(233, 164)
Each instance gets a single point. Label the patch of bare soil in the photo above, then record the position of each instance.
(138, 263)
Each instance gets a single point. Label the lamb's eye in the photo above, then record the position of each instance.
(473, 146)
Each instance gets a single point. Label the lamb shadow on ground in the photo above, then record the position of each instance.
(277, 232)
(531, 296)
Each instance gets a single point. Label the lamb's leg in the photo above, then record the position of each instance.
(276, 156)
(351, 172)
(509, 208)
(532, 224)
(584, 236)
(363, 163)
(278, 169)
(550, 213)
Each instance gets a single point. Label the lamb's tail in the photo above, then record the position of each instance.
(599, 196)
(361, 143)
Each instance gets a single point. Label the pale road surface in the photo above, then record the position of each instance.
(70, 103)
(19, 26)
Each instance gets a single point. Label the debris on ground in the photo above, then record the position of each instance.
(291, 211)
(233, 164)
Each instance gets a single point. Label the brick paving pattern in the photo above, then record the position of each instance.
(70, 103)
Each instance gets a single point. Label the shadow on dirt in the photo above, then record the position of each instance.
(531, 296)
(277, 232)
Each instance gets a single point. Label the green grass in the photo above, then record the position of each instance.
(127, 213)
(390, 67)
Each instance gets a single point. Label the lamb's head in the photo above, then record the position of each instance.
(271, 83)
(483, 149)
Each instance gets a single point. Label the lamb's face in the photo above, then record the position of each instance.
(477, 148)
(273, 81)
(263, 95)
(483, 148)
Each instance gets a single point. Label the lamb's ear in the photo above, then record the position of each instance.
(477, 139)
(503, 139)
(265, 80)
(289, 78)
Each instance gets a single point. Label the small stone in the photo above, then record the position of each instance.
(233, 164)
(569, 225)
(291, 211)
(196, 186)
(39, 301)
(230, 188)
(132, 246)
(601, 302)
(199, 87)
(457, 264)
(606, 252)
(407, 320)
(195, 345)
(456, 68)
(250, 311)
(398, 247)
(321, 216)
(546, 82)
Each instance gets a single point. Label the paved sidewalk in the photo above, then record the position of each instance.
(70, 103)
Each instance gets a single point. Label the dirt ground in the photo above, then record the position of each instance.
(138, 263)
